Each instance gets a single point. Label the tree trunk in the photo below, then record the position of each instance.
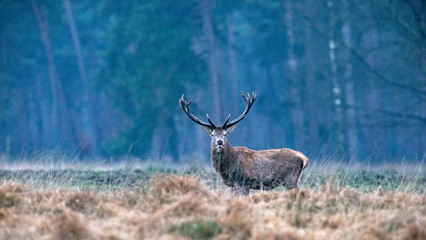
(34, 133)
(336, 85)
(351, 113)
(202, 144)
(376, 135)
(296, 86)
(5, 83)
(270, 103)
(311, 127)
(41, 110)
(160, 137)
(86, 136)
(212, 64)
(61, 125)
(232, 62)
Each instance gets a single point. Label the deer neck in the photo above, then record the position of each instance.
(224, 151)
(223, 158)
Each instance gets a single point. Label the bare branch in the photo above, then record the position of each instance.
(390, 113)
(380, 76)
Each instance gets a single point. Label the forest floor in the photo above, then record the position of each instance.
(157, 202)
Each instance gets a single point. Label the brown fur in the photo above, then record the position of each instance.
(243, 169)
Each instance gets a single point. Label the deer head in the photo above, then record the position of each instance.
(219, 134)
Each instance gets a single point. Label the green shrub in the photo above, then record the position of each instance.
(7, 202)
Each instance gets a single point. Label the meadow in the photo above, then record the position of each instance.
(163, 201)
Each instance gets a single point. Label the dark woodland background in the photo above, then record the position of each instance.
(336, 79)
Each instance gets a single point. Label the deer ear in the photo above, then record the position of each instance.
(208, 130)
(230, 129)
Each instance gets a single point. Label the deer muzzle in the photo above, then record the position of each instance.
(219, 145)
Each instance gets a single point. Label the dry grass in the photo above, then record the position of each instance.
(184, 207)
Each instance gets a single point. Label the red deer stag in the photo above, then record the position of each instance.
(242, 168)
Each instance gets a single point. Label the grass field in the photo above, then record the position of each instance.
(170, 202)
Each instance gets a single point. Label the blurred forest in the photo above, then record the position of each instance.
(340, 79)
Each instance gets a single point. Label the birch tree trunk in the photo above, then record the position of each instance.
(86, 136)
(295, 87)
(336, 85)
(351, 113)
(212, 64)
(61, 129)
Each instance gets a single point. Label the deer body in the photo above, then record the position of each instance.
(242, 168)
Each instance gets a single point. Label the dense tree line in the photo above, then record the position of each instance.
(334, 78)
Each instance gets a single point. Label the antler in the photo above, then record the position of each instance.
(185, 104)
(249, 102)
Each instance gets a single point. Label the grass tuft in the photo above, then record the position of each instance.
(10, 194)
(197, 229)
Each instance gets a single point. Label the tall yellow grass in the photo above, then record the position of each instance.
(182, 207)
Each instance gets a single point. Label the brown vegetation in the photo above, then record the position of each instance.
(179, 207)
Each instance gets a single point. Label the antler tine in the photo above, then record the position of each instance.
(249, 102)
(185, 107)
(181, 100)
(184, 103)
(211, 123)
(254, 96)
(244, 96)
(226, 122)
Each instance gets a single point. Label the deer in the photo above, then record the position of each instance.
(243, 169)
